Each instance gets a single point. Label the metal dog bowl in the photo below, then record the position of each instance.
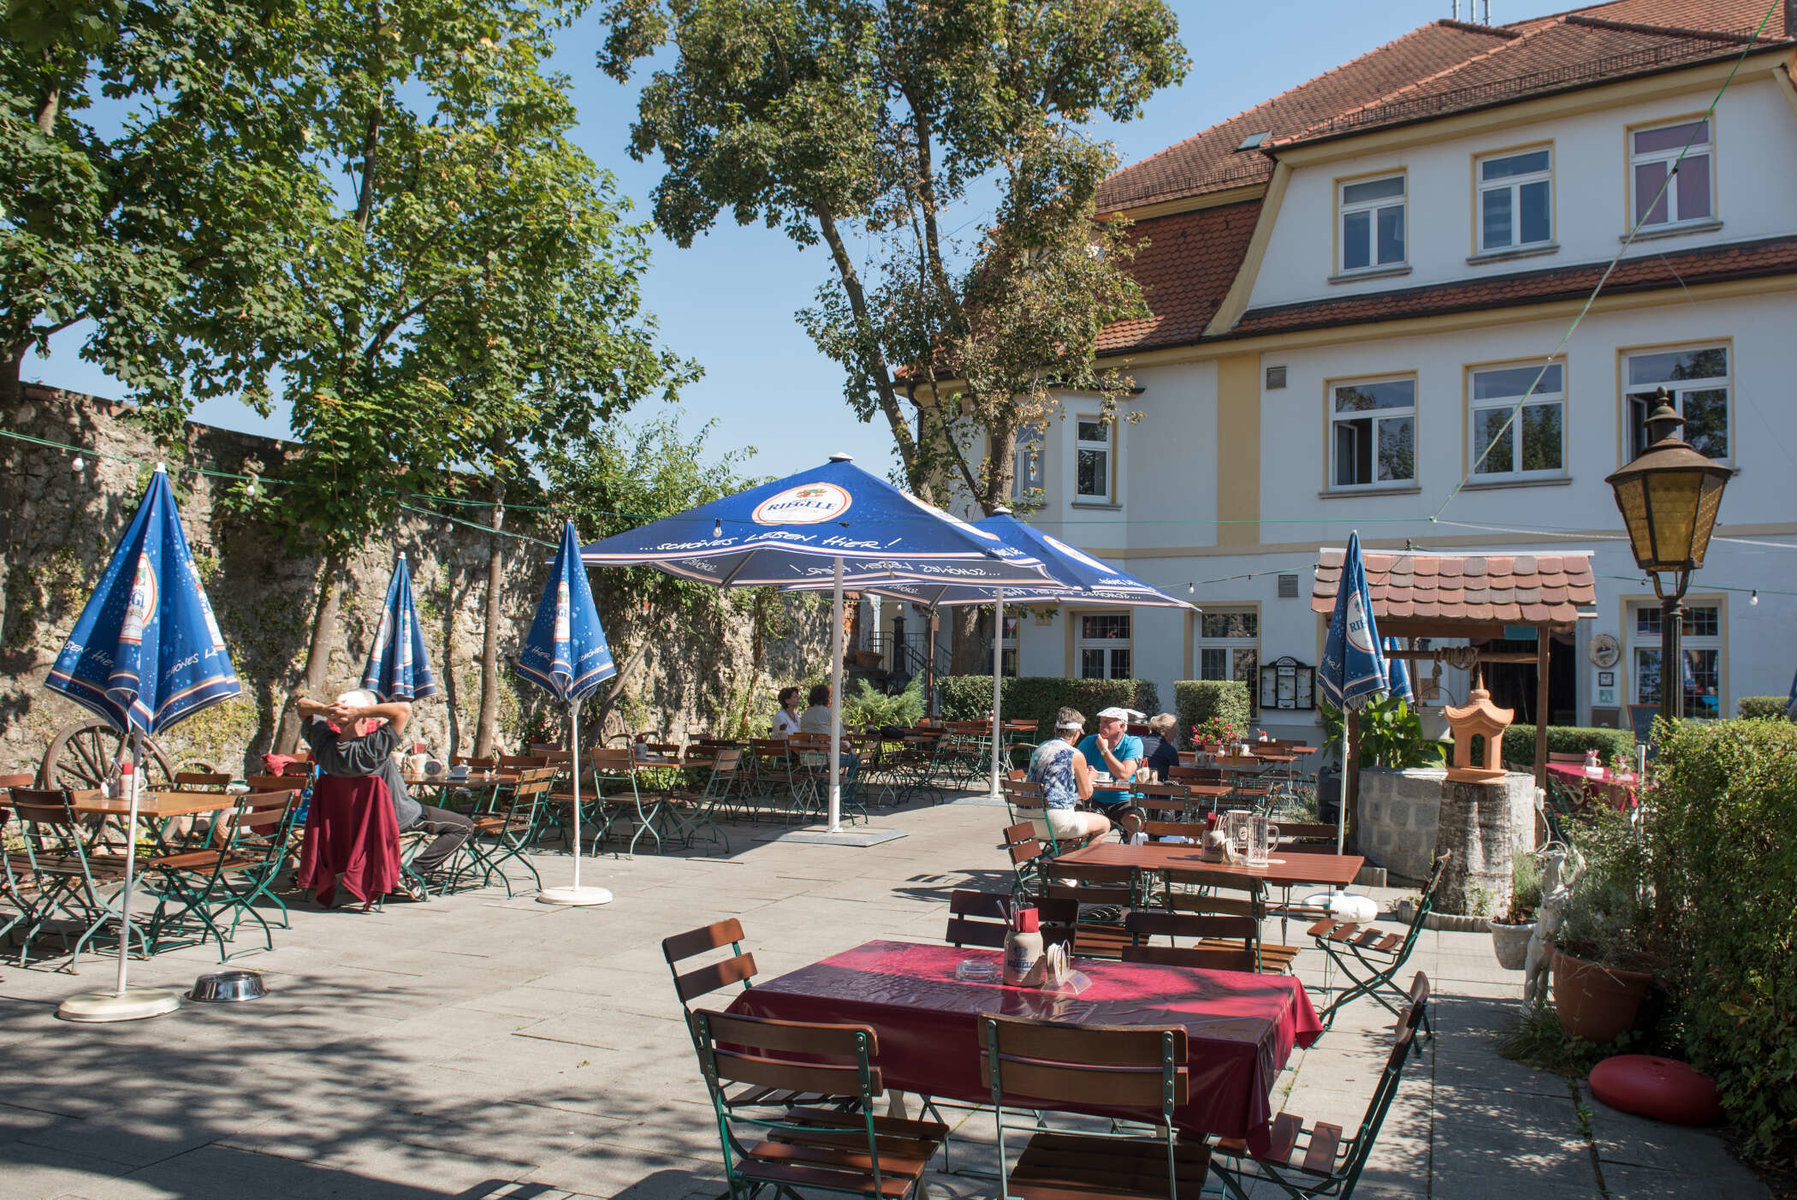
(228, 987)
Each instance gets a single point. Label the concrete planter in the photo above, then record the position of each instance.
(1511, 943)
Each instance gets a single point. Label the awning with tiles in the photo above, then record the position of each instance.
(1465, 595)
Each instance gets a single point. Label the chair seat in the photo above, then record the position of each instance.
(1319, 1153)
(1364, 938)
(819, 1162)
(500, 823)
(1071, 1166)
(186, 861)
(1274, 958)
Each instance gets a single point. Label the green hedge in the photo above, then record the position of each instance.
(1194, 700)
(1762, 708)
(1519, 744)
(1038, 697)
(1722, 842)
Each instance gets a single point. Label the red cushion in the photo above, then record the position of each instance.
(1650, 1086)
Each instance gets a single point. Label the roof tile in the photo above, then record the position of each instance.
(1465, 587)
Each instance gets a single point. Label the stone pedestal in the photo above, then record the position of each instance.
(1474, 825)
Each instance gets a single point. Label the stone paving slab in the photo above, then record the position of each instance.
(481, 1047)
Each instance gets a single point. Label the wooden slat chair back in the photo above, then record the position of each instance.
(16, 884)
(275, 783)
(202, 781)
(1022, 795)
(515, 762)
(1185, 774)
(1027, 854)
(1043, 1066)
(693, 811)
(1166, 801)
(1218, 943)
(1097, 885)
(1569, 756)
(1309, 1159)
(1219, 893)
(1369, 957)
(1192, 831)
(808, 1146)
(506, 830)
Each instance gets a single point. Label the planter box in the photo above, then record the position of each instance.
(1511, 943)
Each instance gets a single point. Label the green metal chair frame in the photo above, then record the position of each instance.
(626, 802)
(508, 827)
(1330, 1165)
(690, 811)
(236, 868)
(1371, 958)
(56, 846)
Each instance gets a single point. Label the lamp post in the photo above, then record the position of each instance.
(1668, 496)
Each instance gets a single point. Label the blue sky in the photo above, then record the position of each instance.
(729, 301)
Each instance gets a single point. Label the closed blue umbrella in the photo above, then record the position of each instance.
(1791, 704)
(145, 653)
(567, 655)
(834, 523)
(1397, 674)
(398, 667)
(1353, 671)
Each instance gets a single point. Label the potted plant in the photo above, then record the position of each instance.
(1602, 963)
(1511, 928)
(1215, 733)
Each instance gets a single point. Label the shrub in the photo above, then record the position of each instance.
(1762, 708)
(1038, 697)
(868, 706)
(1723, 843)
(1197, 700)
(1610, 744)
(1391, 735)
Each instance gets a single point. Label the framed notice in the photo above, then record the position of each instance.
(1288, 684)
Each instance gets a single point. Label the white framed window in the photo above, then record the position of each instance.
(1700, 644)
(1516, 207)
(1690, 196)
(1697, 380)
(1028, 475)
(1372, 223)
(1229, 646)
(1103, 645)
(1094, 454)
(1533, 446)
(1372, 428)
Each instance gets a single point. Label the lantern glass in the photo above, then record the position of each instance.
(1672, 507)
(1708, 502)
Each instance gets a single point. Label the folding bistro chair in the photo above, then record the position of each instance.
(625, 804)
(1371, 958)
(15, 869)
(690, 811)
(1045, 1066)
(1315, 1159)
(238, 867)
(1222, 894)
(1027, 855)
(64, 873)
(807, 1148)
(503, 833)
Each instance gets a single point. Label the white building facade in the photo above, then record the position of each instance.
(1355, 284)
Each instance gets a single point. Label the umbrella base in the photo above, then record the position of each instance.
(574, 897)
(858, 836)
(132, 1005)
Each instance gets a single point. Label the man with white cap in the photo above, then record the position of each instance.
(356, 737)
(1113, 749)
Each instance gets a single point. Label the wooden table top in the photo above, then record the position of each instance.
(472, 781)
(1286, 867)
(153, 804)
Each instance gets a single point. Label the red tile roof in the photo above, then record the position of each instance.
(1185, 270)
(1712, 264)
(1447, 67)
(1522, 589)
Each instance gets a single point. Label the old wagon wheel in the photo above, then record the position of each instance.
(80, 755)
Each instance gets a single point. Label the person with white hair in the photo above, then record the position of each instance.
(1066, 781)
(355, 737)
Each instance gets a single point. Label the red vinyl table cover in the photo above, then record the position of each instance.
(1240, 1028)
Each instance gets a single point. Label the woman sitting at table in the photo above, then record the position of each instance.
(1066, 781)
(1160, 749)
(786, 721)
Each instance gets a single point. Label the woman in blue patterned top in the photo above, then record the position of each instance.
(1066, 780)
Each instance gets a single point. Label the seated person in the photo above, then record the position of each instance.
(1160, 749)
(356, 737)
(816, 719)
(786, 721)
(1116, 751)
(1066, 781)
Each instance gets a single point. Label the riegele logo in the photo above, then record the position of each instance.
(806, 504)
(142, 604)
(1357, 625)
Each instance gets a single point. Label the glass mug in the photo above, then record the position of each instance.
(1263, 837)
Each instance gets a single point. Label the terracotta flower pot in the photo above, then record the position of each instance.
(1596, 1003)
(1511, 943)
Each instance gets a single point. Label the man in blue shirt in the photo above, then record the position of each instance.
(1114, 750)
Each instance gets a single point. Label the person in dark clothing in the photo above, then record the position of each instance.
(1160, 749)
(356, 737)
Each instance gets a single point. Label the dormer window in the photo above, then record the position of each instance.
(1372, 223)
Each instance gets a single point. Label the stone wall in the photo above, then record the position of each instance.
(58, 526)
(1398, 812)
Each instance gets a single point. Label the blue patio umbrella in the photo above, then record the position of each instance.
(567, 655)
(1791, 704)
(145, 653)
(834, 523)
(1397, 675)
(398, 667)
(1072, 575)
(1353, 671)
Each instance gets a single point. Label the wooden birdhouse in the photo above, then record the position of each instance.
(1478, 719)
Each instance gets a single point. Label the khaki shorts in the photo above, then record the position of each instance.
(1058, 822)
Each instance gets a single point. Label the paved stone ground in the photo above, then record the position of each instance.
(478, 1047)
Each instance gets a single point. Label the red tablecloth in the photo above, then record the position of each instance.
(1618, 790)
(1240, 1028)
(352, 838)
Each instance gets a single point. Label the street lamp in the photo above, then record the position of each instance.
(1668, 497)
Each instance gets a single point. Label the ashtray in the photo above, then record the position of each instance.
(977, 970)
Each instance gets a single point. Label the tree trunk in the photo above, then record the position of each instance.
(966, 655)
(11, 393)
(487, 729)
(318, 655)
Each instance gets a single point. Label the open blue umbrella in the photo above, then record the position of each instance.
(1072, 575)
(835, 522)
(567, 655)
(145, 653)
(1353, 671)
(1397, 675)
(398, 667)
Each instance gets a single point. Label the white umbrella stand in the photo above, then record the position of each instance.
(575, 896)
(121, 1003)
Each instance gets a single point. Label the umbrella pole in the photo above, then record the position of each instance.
(1341, 808)
(121, 1004)
(575, 895)
(836, 700)
(998, 659)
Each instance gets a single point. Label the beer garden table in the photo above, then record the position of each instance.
(1286, 869)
